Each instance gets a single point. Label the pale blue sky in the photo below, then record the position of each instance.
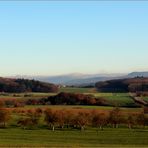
(51, 38)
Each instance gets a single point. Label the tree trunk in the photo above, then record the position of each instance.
(53, 128)
(129, 126)
(116, 125)
(113, 125)
(101, 128)
(82, 128)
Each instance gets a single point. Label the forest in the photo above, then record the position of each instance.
(124, 85)
(25, 85)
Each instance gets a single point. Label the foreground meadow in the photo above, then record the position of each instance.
(15, 137)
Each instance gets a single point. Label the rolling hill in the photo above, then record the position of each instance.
(123, 85)
(25, 85)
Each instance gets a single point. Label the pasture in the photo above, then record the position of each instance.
(114, 99)
(90, 138)
(118, 99)
(41, 136)
(77, 90)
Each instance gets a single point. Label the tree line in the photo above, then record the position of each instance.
(73, 118)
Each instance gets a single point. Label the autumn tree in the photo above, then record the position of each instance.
(34, 115)
(141, 119)
(69, 117)
(61, 115)
(4, 116)
(115, 117)
(99, 120)
(25, 122)
(130, 120)
(51, 118)
(32, 118)
(82, 119)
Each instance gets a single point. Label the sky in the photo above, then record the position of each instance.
(53, 38)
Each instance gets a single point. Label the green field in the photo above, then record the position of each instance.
(145, 98)
(89, 138)
(102, 108)
(117, 99)
(114, 99)
(77, 90)
(40, 136)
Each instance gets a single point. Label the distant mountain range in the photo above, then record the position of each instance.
(78, 79)
(139, 74)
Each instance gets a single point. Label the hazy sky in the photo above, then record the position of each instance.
(47, 38)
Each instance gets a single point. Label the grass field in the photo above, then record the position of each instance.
(114, 99)
(145, 98)
(89, 138)
(78, 90)
(118, 99)
(101, 108)
(14, 136)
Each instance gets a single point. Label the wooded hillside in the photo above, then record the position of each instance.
(25, 85)
(123, 85)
